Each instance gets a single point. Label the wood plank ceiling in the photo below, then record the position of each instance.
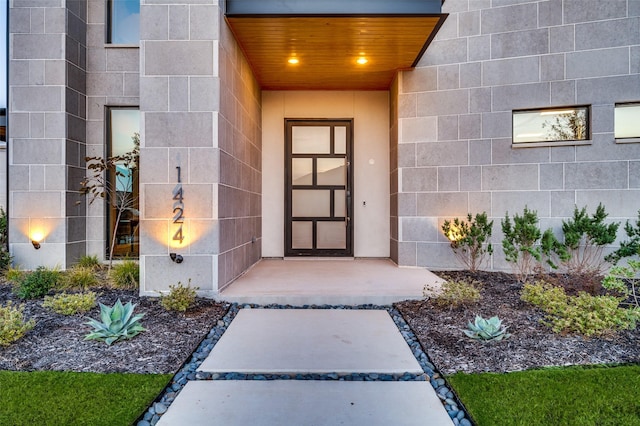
(328, 48)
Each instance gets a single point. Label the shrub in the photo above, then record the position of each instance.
(470, 239)
(70, 304)
(125, 275)
(583, 314)
(458, 293)
(12, 324)
(117, 323)
(37, 283)
(627, 248)
(88, 261)
(585, 237)
(487, 330)
(14, 274)
(519, 243)
(78, 277)
(5, 256)
(180, 298)
(625, 280)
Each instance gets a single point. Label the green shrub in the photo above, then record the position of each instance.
(70, 304)
(12, 324)
(37, 283)
(585, 238)
(458, 293)
(125, 275)
(626, 281)
(14, 274)
(470, 239)
(88, 261)
(78, 277)
(180, 298)
(627, 248)
(583, 314)
(520, 242)
(5, 256)
(117, 323)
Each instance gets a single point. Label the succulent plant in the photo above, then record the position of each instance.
(487, 330)
(118, 323)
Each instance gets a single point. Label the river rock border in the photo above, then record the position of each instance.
(188, 371)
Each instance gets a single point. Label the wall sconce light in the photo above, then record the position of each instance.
(176, 257)
(36, 244)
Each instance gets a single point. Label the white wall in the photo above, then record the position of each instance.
(370, 113)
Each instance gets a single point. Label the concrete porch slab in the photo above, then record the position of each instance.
(292, 402)
(332, 282)
(311, 341)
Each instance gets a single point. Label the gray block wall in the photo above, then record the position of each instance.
(47, 96)
(454, 150)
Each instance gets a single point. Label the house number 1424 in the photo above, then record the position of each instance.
(178, 208)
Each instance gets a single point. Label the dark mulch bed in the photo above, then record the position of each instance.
(57, 341)
(531, 344)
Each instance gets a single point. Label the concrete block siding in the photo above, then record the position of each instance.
(454, 111)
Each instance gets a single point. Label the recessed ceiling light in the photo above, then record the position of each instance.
(362, 60)
(293, 61)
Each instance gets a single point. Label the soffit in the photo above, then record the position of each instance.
(328, 46)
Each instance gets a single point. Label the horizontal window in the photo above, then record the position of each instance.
(627, 121)
(551, 125)
(124, 22)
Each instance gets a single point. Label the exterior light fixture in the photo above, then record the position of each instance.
(293, 61)
(362, 60)
(36, 238)
(176, 257)
(36, 244)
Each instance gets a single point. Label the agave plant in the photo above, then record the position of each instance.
(487, 330)
(118, 323)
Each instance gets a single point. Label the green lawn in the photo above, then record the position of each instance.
(62, 398)
(558, 396)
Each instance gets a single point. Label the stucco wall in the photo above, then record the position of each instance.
(370, 112)
(490, 57)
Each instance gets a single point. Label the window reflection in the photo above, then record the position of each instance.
(124, 21)
(627, 121)
(551, 125)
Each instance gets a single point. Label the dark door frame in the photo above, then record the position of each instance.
(289, 251)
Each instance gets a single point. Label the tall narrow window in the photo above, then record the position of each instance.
(627, 121)
(551, 125)
(124, 22)
(123, 209)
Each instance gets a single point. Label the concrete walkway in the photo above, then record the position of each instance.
(299, 341)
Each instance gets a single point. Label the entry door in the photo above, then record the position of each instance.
(319, 178)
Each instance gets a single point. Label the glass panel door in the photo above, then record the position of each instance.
(318, 195)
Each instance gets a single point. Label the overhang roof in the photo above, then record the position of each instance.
(328, 37)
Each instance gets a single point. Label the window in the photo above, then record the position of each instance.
(551, 125)
(3, 125)
(124, 21)
(123, 134)
(627, 121)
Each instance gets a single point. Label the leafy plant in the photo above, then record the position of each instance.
(80, 277)
(457, 293)
(180, 298)
(5, 256)
(470, 239)
(37, 283)
(125, 275)
(70, 304)
(98, 185)
(583, 314)
(487, 330)
(12, 324)
(88, 261)
(553, 250)
(14, 274)
(585, 237)
(627, 248)
(519, 242)
(117, 323)
(625, 280)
